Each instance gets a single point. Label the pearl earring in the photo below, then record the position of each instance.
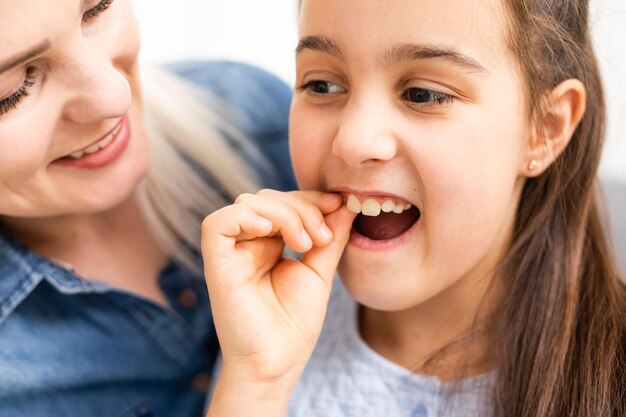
(533, 165)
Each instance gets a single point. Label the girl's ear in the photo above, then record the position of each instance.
(563, 109)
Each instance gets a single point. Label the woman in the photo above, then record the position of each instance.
(101, 309)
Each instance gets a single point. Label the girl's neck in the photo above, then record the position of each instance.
(434, 337)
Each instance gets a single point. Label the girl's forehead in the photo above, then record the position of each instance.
(372, 28)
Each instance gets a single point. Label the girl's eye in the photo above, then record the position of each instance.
(426, 97)
(96, 10)
(321, 87)
(14, 99)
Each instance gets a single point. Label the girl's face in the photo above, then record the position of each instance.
(71, 137)
(414, 102)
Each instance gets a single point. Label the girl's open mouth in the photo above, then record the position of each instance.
(381, 222)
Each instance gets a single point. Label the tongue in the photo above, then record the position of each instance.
(386, 225)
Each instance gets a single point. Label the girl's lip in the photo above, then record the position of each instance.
(359, 241)
(362, 195)
(104, 156)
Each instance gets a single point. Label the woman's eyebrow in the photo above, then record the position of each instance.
(24, 56)
(409, 52)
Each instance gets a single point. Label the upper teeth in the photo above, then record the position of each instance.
(371, 207)
(97, 146)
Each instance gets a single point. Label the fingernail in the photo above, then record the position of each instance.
(326, 232)
(264, 222)
(304, 237)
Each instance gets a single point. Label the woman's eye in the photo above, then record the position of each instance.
(96, 10)
(426, 97)
(321, 87)
(14, 99)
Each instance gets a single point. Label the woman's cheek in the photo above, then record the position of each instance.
(125, 36)
(21, 155)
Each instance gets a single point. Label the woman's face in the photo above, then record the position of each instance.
(71, 134)
(414, 102)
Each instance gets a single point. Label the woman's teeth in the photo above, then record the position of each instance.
(97, 146)
(371, 207)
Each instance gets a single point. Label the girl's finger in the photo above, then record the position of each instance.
(311, 206)
(286, 219)
(325, 202)
(223, 228)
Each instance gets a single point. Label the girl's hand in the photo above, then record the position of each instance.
(269, 310)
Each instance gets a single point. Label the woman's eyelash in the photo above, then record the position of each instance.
(13, 100)
(96, 10)
(425, 97)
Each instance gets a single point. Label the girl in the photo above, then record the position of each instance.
(464, 137)
(103, 311)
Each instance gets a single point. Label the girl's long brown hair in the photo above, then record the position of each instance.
(559, 331)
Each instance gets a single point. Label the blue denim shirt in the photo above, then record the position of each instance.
(73, 347)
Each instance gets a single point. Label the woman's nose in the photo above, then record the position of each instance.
(365, 134)
(96, 88)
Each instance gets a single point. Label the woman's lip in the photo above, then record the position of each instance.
(118, 124)
(359, 241)
(104, 156)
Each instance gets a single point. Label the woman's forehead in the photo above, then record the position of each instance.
(25, 23)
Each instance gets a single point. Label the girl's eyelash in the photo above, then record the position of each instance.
(13, 100)
(96, 10)
(318, 87)
(426, 98)
(420, 97)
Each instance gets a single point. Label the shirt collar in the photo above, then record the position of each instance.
(21, 270)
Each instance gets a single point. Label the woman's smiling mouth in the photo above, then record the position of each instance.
(101, 153)
(101, 144)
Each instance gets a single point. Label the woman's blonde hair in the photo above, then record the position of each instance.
(193, 136)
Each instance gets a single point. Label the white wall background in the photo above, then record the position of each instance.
(264, 33)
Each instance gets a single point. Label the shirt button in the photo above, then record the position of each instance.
(187, 298)
(419, 411)
(201, 382)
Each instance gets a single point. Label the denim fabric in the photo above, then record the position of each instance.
(74, 347)
(258, 104)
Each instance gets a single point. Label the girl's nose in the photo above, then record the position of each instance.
(96, 88)
(365, 134)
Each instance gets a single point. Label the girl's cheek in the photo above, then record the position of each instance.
(313, 130)
(307, 167)
(306, 147)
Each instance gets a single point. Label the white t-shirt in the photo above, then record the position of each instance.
(346, 378)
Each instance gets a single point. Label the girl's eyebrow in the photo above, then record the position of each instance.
(321, 44)
(398, 53)
(408, 52)
(24, 56)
